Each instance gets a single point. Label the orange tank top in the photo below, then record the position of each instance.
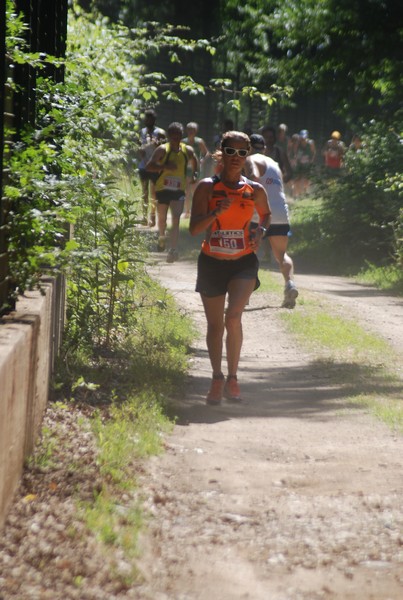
(228, 237)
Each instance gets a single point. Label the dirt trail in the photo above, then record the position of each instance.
(293, 494)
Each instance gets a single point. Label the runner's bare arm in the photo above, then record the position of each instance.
(193, 159)
(287, 174)
(262, 205)
(204, 149)
(251, 169)
(263, 209)
(154, 164)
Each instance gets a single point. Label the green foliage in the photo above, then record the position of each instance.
(44, 453)
(244, 56)
(388, 278)
(361, 211)
(355, 220)
(348, 47)
(106, 257)
(202, 19)
(148, 354)
(66, 172)
(37, 214)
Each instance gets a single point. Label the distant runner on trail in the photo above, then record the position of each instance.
(170, 161)
(202, 153)
(223, 206)
(150, 137)
(267, 172)
(333, 153)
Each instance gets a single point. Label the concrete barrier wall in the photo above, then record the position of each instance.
(29, 340)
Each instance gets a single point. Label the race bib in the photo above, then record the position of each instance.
(172, 183)
(227, 241)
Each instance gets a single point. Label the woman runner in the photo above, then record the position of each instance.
(223, 206)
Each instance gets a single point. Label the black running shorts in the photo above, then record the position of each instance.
(278, 230)
(214, 275)
(166, 196)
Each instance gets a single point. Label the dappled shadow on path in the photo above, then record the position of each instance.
(316, 391)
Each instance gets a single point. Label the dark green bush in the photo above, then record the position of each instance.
(361, 215)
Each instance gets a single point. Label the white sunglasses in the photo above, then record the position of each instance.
(232, 151)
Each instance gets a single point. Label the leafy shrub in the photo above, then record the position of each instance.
(66, 172)
(361, 216)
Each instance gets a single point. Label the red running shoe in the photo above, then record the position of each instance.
(214, 396)
(231, 389)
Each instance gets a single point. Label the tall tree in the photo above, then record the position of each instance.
(351, 48)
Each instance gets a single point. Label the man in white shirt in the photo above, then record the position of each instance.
(267, 172)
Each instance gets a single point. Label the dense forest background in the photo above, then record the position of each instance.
(329, 65)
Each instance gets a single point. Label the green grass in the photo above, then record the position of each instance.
(128, 388)
(151, 366)
(304, 217)
(116, 526)
(269, 283)
(363, 363)
(388, 278)
(307, 246)
(132, 430)
(318, 327)
(44, 454)
(389, 410)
